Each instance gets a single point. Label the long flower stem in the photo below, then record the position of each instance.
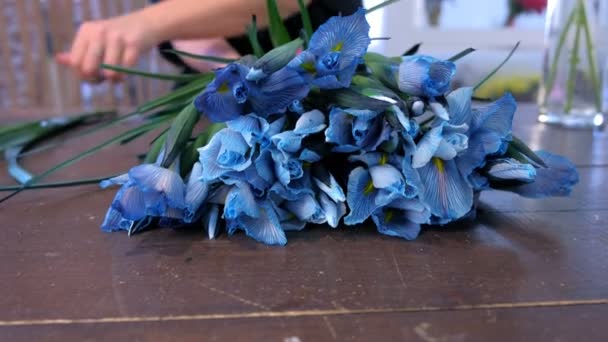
(574, 59)
(591, 58)
(558, 50)
(79, 182)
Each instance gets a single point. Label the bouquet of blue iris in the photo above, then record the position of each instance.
(320, 131)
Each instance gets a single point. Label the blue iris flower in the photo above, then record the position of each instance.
(402, 218)
(557, 179)
(356, 130)
(231, 95)
(371, 188)
(226, 154)
(427, 76)
(450, 174)
(444, 141)
(276, 92)
(334, 51)
(258, 217)
(287, 151)
(306, 208)
(147, 190)
(224, 98)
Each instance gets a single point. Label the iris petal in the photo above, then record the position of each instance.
(386, 176)
(310, 122)
(331, 188)
(196, 193)
(395, 223)
(427, 147)
(333, 210)
(250, 126)
(266, 228)
(512, 169)
(557, 179)
(114, 221)
(304, 208)
(425, 76)
(277, 91)
(459, 104)
(361, 196)
(210, 220)
(130, 202)
(240, 201)
(348, 35)
(446, 191)
(149, 177)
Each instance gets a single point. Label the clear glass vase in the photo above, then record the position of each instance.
(574, 63)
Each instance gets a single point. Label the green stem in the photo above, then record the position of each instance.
(57, 184)
(558, 50)
(574, 59)
(591, 58)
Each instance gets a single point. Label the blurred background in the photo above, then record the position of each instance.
(32, 31)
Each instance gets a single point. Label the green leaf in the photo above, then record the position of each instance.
(522, 148)
(306, 23)
(156, 147)
(373, 88)
(349, 98)
(380, 5)
(461, 54)
(413, 50)
(385, 73)
(146, 127)
(179, 134)
(278, 57)
(214, 59)
(276, 27)
(181, 94)
(190, 154)
(32, 132)
(86, 132)
(19, 134)
(252, 34)
(85, 181)
(158, 76)
(497, 68)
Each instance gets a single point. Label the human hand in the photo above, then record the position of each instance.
(118, 41)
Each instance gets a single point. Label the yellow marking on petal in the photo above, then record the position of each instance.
(388, 216)
(369, 188)
(439, 164)
(338, 47)
(306, 165)
(223, 88)
(383, 159)
(309, 67)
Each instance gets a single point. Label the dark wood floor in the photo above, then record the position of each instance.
(525, 270)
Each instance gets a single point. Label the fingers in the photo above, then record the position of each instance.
(113, 55)
(79, 48)
(63, 58)
(117, 41)
(90, 66)
(130, 57)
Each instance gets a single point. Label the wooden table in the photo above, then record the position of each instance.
(525, 270)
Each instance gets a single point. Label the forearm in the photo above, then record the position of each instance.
(199, 19)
